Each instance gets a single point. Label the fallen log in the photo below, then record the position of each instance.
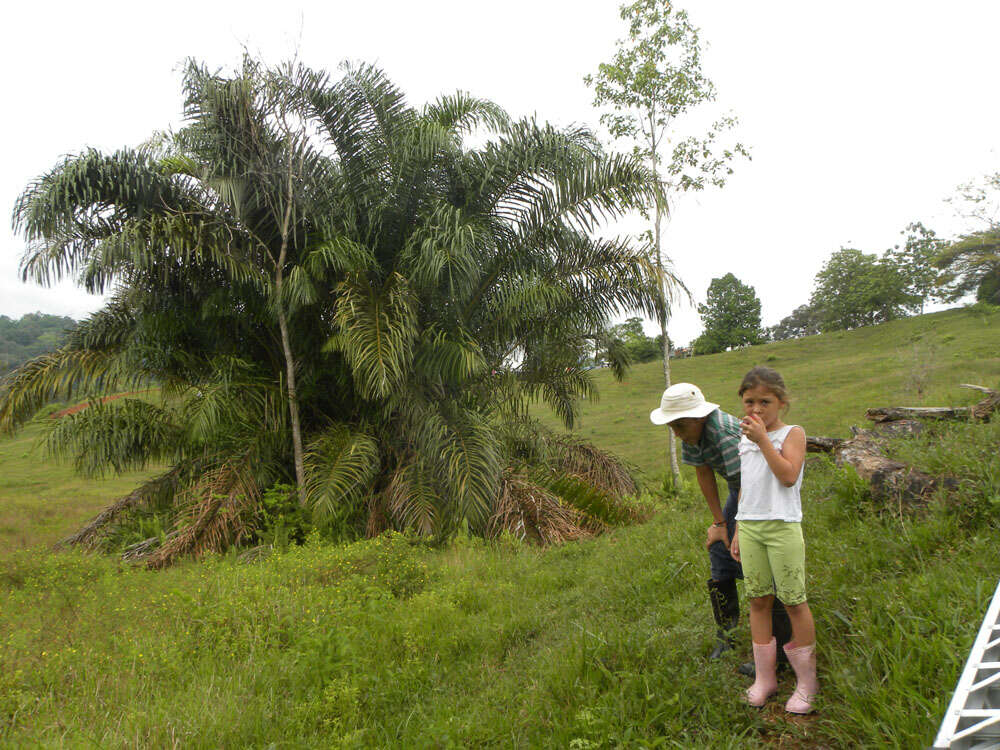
(888, 479)
(821, 444)
(894, 413)
(983, 410)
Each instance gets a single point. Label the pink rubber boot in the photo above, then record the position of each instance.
(803, 661)
(765, 659)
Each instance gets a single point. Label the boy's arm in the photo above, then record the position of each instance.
(710, 490)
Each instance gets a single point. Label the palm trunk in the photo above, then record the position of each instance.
(286, 346)
(293, 402)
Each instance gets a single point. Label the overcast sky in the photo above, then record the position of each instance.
(862, 116)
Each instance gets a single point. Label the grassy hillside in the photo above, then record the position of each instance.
(596, 644)
(41, 501)
(832, 377)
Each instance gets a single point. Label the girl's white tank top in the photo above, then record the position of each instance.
(763, 497)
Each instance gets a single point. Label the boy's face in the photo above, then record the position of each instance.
(688, 429)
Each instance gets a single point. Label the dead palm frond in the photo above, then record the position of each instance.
(596, 467)
(156, 492)
(218, 511)
(529, 511)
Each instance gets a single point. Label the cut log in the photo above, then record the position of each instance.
(900, 428)
(889, 479)
(894, 413)
(821, 444)
(988, 405)
(982, 410)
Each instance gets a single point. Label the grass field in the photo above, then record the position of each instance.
(590, 645)
(41, 501)
(833, 378)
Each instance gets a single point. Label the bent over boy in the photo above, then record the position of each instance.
(710, 439)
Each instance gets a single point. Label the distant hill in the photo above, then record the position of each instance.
(832, 377)
(34, 334)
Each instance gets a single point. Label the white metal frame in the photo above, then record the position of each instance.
(972, 721)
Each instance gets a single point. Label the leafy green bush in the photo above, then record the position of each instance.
(281, 521)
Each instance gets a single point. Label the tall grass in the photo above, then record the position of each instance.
(598, 643)
(385, 643)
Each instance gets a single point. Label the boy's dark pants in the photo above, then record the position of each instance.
(722, 591)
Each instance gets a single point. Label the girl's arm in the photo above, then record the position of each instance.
(787, 464)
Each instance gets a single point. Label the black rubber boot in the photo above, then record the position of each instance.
(781, 627)
(726, 609)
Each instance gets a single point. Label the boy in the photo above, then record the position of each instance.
(710, 438)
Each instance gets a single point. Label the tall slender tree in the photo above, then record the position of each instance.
(653, 81)
(334, 288)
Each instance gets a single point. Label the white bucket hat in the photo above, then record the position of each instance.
(681, 401)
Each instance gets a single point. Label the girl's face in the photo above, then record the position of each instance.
(762, 402)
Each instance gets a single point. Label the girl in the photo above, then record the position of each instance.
(768, 538)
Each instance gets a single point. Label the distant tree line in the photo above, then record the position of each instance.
(34, 334)
(855, 288)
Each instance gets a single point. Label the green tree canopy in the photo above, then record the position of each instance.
(856, 289)
(29, 336)
(802, 321)
(972, 265)
(916, 261)
(637, 345)
(731, 316)
(316, 255)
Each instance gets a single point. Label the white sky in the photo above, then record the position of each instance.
(862, 115)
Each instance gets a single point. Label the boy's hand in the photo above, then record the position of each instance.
(753, 427)
(717, 534)
(734, 548)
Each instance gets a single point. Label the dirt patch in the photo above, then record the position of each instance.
(81, 406)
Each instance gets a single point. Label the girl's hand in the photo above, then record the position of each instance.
(753, 427)
(734, 546)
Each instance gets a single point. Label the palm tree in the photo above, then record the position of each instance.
(335, 289)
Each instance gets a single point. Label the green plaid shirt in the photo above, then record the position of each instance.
(718, 447)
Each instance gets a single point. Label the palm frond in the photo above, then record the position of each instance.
(157, 492)
(529, 511)
(413, 499)
(60, 376)
(451, 358)
(217, 511)
(125, 434)
(235, 401)
(442, 251)
(461, 112)
(341, 465)
(600, 509)
(375, 331)
(597, 467)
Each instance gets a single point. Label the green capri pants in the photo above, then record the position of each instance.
(774, 559)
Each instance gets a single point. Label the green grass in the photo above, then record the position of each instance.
(42, 501)
(589, 645)
(832, 378)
